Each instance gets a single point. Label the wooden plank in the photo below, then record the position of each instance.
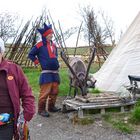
(75, 104)
(105, 99)
(100, 102)
(80, 113)
(122, 109)
(101, 107)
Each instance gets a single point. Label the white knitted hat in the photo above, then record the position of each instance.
(2, 47)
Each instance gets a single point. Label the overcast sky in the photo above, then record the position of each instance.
(122, 12)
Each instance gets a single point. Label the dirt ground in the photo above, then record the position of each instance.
(60, 127)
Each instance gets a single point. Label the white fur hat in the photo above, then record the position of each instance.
(2, 47)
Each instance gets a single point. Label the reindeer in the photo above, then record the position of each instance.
(79, 74)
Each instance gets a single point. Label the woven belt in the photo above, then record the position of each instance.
(49, 71)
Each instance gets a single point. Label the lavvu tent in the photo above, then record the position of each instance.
(124, 60)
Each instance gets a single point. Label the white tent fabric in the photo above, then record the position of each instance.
(124, 60)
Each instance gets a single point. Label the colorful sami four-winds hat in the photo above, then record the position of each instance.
(46, 30)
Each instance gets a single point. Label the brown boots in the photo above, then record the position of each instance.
(51, 106)
(42, 109)
(51, 103)
(44, 113)
(54, 109)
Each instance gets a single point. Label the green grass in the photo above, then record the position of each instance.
(79, 50)
(64, 85)
(135, 115)
(96, 90)
(33, 78)
(117, 121)
(125, 122)
(85, 50)
(123, 127)
(85, 121)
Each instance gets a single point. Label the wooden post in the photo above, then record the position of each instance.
(103, 111)
(122, 109)
(80, 113)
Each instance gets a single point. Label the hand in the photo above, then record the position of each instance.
(4, 117)
(36, 63)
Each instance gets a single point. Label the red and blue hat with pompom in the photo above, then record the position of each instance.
(46, 30)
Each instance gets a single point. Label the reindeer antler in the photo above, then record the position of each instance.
(89, 64)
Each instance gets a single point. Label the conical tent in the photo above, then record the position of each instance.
(124, 60)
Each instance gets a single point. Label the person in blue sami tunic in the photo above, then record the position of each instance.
(45, 53)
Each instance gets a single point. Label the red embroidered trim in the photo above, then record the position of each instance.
(51, 54)
(38, 45)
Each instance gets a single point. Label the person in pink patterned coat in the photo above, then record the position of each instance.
(15, 94)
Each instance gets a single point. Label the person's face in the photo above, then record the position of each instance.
(49, 37)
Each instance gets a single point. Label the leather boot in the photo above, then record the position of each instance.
(44, 113)
(51, 104)
(54, 109)
(42, 109)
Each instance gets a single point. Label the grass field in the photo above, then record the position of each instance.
(33, 78)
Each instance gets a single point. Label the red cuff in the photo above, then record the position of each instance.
(36, 61)
(28, 116)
